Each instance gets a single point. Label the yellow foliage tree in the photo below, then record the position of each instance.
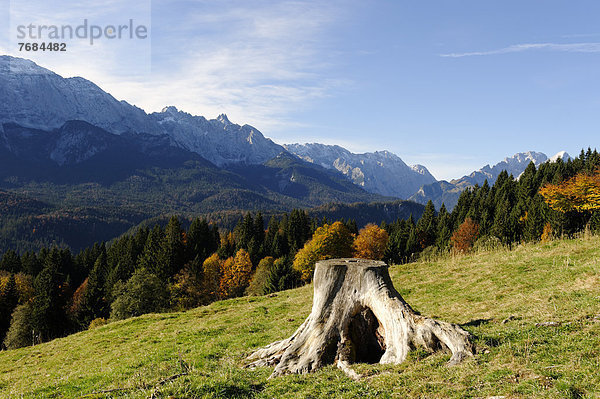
(211, 272)
(329, 241)
(547, 233)
(371, 242)
(24, 284)
(580, 193)
(236, 275)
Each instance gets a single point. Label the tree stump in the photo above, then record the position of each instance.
(359, 317)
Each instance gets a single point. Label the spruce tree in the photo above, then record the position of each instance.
(427, 226)
(172, 251)
(11, 262)
(281, 276)
(200, 241)
(149, 259)
(49, 318)
(272, 231)
(412, 244)
(31, 264)
(9, 299)
(444, 228)
(95, 303)
(244, 232)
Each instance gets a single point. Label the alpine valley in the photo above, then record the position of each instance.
(78, 166)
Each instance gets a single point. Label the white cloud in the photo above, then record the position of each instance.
(518, 48)
(258, 61)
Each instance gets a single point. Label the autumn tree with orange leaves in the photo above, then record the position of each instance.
(464, 237)
(370, 242)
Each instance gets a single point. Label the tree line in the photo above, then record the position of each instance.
(54, 292)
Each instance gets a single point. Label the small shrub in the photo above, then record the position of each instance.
(487, 243)
(97, 322)
(430, 254)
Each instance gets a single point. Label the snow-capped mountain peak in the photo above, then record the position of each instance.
(448, 192)
(380, 172)
(21, 66)
(562, 155)
(35, 97)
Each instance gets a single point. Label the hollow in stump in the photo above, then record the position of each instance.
(359, 317)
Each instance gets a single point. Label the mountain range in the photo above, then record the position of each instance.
(447, 193)
(74, 148)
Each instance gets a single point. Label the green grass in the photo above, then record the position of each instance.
(557, 281)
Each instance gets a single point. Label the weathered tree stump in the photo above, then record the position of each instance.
(358, 316)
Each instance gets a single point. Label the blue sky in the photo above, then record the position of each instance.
(451, 85)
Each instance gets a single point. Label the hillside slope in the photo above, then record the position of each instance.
(498, 296)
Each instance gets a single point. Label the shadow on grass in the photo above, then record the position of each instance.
(232, 390)
(475, 322)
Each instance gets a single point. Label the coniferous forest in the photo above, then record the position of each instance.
(55, 292)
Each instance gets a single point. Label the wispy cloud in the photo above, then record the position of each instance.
(593, 47)
(258, 61)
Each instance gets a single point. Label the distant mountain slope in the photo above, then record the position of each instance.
(35, 97)
(443, 192)
(379, 172)
(364, 213)
(217, 140)
(91, 185)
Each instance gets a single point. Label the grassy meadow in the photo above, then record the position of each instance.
(498, 295)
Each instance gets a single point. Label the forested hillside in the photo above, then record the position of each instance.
(54, 292)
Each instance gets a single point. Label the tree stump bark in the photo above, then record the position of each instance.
(358, 317)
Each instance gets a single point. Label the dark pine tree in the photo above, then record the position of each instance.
(31, 264)
(94, 303)
(444, 228)
(9, 299)
(427, 226)
(49, 313)
(149, 259)
(172, 251)
(201, 241)
(11, 262)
